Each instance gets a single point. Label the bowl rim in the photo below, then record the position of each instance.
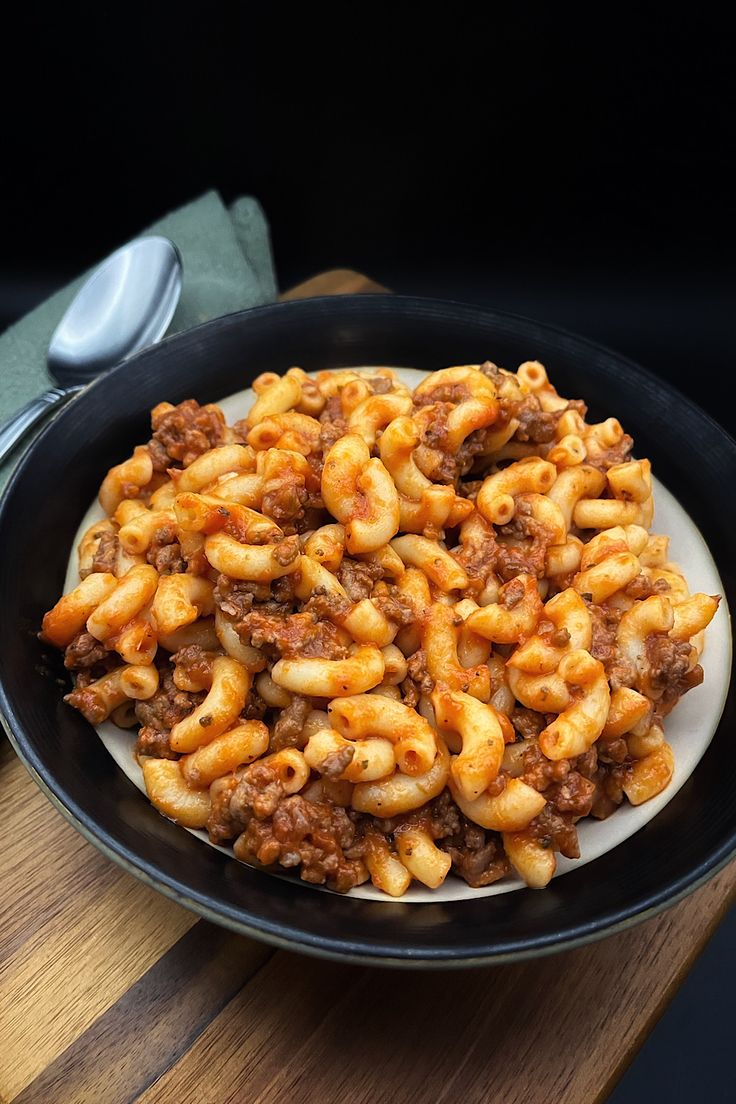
(286, 936)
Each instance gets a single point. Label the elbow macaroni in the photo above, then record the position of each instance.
(366, 625)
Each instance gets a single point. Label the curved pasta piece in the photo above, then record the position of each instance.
(495, 499)
(510, 811)
(366, 715)
(649, 776)
(401, 793)
(360, 493)
(181, 599)
(570, 617)
(543, 693)
(481, 734)
(224, 754)
(580, 725)
(514, 616)
(218, 711)
(421, 856)
(370, 759)
(258, 563)
(375, 412)
(653, 615)
(70, 614)
(331, 678)
(212, 466)
(531, 861)
(440, 639)
(438, 565)
(387, 872)
(97, 701)
(276, 395)
(134, 591)
(168, 791)
(126, 480)
(136, 535)
(297, 432)
(574, 484)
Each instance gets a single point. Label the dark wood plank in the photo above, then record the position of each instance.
(149, 1028)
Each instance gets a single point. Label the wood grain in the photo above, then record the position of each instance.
(111, 993)
(338, 281)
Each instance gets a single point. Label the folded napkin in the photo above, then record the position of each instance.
(228, 265)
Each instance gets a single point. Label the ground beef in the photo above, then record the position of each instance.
(286, 551)
(297, 634)
(477, 854)
(410, 693)
(670, 672)
(587, 763)
(433, 456)
(284, 501)
(452, 393)
(416, 665)
(153, 742)
(255, 707)
(640, 588)
(478, 558)
(541, 772)
(395, 607)
(288, 730)
(358, 578)
(612, 749)
(573, 795)
(380, 385)
(526, 550)
(334, 424)
(328, 605)
(168, 706)
(318, 838)
(257, 794)
(334, 764)
(557, 831)
(236, 598)
(106, 553)
(194, 662)
(527, 722)
(535, 424)
(603, 645)
(221, 824)
(164, 551)
(84, 652)
(609, 779)
(182, 434)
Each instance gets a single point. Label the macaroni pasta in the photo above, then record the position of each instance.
(381, 635)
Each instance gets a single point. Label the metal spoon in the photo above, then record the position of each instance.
(126, 304)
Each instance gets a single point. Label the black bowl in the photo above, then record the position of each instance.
(692, 838)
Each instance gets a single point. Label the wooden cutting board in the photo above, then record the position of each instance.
(110, 993)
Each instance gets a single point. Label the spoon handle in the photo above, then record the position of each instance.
(24, 419)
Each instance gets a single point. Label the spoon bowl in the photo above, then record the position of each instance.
(126, 305)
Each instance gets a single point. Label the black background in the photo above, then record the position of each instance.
(575, 168)
(578, 170)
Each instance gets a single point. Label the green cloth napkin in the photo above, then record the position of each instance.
(228, 265)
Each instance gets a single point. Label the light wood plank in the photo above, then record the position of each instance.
(81, 949)
(338, 281)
